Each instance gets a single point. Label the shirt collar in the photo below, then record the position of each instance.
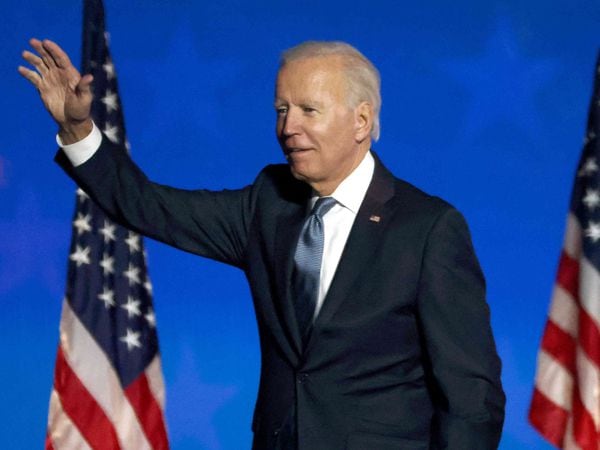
(352, 190)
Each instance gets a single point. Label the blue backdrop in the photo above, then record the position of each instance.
(484, 103)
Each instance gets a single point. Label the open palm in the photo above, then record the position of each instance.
(65, 93)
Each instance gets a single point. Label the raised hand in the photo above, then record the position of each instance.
(65, 93)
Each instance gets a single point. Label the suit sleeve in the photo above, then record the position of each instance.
(455, 321)
(213, 224)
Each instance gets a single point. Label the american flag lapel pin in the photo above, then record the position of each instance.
(375, 218)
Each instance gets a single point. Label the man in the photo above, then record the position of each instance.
(370, 302)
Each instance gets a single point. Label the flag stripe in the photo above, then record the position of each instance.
(48, 444)
(587, 386)
(568, 274)
(148, 412)
(584, 428)
(554, 381)
(81, 407)
(560, 345)
(572, 240)
(549, 418)
(65, 435)
(155, 381)
(100, 379)
(589, 294)
(564, 311)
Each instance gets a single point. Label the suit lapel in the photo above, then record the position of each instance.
(362, 243)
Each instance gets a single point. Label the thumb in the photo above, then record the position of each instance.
(84, 87)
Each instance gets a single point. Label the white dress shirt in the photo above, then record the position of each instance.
(337, 222)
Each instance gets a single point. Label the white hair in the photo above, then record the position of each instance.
(362, 77)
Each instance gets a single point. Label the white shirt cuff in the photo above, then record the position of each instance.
(82, 150)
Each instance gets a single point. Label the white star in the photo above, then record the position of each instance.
(589, 137)
(80, 256)
(133, 274)
(107, 264)
(111, 132)
(81, 195)
(133, 242)
(589, 167)
(82, 223)
(109, 68)
(132, 339)
(593, 231)
(108, 231)
(110, 100)
(108, 297)
(592, 198)
(132, 307)
(151, 318)
(148, 285)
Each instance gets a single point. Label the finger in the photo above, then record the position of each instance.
(45, 57)
(31, 75)
(35, 61)
(58, 55)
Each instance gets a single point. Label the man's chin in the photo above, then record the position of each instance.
(297, 174)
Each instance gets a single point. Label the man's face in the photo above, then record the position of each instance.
(317, 130)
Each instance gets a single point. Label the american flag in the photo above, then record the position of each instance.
(565, 407)
(108, 390)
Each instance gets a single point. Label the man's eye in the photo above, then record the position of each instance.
(308, 109)
(281, 111)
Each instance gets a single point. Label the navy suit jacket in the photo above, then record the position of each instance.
(401, 356)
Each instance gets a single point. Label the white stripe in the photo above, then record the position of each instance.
(572, 239)
(564, 311)
(94, 370)
(155, 381)
(588, 378)
(554, 381)
(589, 290)
(63, 433)
(568, 439)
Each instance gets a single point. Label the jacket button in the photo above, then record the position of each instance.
(276, 432)
(302, 378)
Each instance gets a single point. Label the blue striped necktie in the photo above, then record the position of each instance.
(307, 259)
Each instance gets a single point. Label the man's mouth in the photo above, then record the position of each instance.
(289, 151)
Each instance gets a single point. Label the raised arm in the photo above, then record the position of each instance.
(65, 93)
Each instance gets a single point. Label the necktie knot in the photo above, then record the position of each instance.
(322, 206)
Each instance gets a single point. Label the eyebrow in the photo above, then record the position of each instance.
(306, 102)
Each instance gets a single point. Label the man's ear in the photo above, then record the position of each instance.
(363, 120)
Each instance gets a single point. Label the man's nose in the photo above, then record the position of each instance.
(291, 122)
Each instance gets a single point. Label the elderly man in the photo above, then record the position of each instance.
(370, 302)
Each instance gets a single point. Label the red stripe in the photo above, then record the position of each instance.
(148, 412)
(560, 345)
(568, 274)
(82, 409)
(548, 418)
(589, 336)
(584, 429)
(48, 445)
